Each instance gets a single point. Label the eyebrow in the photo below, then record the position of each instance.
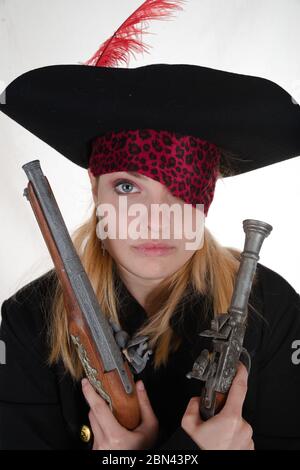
(138, 175)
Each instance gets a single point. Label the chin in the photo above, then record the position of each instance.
(152, 271)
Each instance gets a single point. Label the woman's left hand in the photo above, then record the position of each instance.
(109, 434)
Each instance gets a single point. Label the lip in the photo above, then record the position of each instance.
(154, 245)
(154, 249)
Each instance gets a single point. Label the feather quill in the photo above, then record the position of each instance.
(127, 39)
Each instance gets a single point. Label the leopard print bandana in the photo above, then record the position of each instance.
(187, 165)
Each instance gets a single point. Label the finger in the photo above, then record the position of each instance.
(92, 397)
(105, 418)
(145, 404)
(191, 418)
(248, 446)
(237, 392)
(96, 428)
(147, 413)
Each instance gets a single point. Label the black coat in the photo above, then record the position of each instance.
(41, 407)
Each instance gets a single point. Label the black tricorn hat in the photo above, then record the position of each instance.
(67, 106)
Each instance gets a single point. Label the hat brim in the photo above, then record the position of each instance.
(67, 106)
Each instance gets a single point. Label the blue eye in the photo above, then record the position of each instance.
(124, 183)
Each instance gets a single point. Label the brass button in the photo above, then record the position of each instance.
(85, 433)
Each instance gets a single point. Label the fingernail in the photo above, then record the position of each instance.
(140, 386)
(84, 382)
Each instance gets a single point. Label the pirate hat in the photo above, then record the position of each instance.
(67, 106)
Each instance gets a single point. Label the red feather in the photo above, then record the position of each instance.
(125, 39)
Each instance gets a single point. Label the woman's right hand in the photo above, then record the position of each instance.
(227, 430)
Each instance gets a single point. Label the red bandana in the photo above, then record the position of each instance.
(187, 165)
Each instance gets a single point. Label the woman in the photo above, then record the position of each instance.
(171, 295)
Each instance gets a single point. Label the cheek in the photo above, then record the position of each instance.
(118, 247)
(106, 195)
(184, 252)
(194, 228)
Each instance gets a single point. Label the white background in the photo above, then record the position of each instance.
(257, 37)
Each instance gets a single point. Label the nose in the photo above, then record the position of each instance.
(158, 209)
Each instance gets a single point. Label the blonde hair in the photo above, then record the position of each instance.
(211, 271)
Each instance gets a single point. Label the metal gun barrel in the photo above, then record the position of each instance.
(100, 329)
(256, 231)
